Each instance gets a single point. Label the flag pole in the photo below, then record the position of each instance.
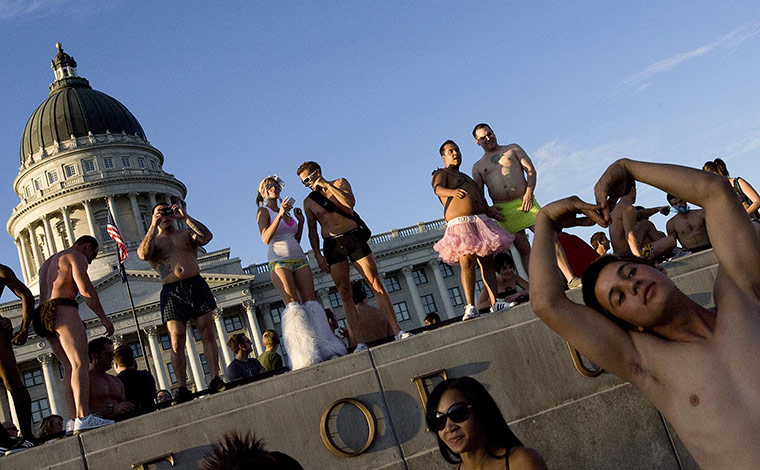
(121, 251)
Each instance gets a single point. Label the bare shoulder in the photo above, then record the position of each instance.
(524, 458)
(342, 183)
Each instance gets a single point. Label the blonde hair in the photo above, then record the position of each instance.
(260, 199)
(270, 338)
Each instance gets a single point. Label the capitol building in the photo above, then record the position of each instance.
(84, 153)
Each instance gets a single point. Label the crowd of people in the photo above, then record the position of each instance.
(696, 365)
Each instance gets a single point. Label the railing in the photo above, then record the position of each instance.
(378, 239)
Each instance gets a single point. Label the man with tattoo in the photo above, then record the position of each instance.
(173, 253)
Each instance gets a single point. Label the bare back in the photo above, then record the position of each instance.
(622, 214)
(57, 276)
(175, 256)
(472, 203)
(689, 229)
(502, 171)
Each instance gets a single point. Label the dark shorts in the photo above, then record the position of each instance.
(186, 299)
(43, 317)
(345, 247)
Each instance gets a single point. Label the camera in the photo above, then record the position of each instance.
(165, 212)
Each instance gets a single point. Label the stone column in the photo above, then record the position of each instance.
(12, 407)
(152, 199)
(416, 302)
(226, 353)
(67, 224)
(324, 297)
(155, 352)
(192, 358)
(49, 235)
(22, 261)
(91, 220)
(26, 249)
(435, 266)
(253, 326)
(48, 373)
(136, 213)
(35, 248)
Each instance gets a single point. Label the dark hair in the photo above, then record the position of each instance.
(46, 425)
(357, 291)
(440, 150)
(309, 166)
(433, 318)
(482, 125)
(241, 453)
(501, 259)
(159, 204)
(124, 357)
(596, 239)
(495, 430)
(591, 276)
(670, 197)
(716, 166)
(235, 341)
(97, 345)
(87, 240)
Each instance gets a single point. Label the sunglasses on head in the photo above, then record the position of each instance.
(272, 185)
(457, 413)
(307, 181)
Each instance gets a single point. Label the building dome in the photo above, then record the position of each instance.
(74, 109)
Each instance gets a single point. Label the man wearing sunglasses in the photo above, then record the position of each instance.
(343, 243)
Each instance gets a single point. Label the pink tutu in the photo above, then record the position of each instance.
(472, 235)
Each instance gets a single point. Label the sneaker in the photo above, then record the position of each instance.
(217, 385)
(401, 335)
(182, 395)
(470, 312)
(90, 422)
(69, 427)
(574, 283)
(499, 305)
(360, 347)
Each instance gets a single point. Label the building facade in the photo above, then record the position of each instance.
(84, 153)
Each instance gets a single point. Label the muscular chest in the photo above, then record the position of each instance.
(166, 246)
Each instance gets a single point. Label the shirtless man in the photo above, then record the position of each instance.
(62, 276)
(185, 294)
(471, 236)
(372, 321)
(107, 396)
(600, 243)
(687, 226)
(343, 244)
(503, 170)
(698, 366)
(623, 234)
(8, 368)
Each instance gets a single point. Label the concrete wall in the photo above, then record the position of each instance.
(574, 421)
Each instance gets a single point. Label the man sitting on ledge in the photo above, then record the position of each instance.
(699, 367)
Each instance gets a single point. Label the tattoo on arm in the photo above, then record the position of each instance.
(164, 270)
(201, 234)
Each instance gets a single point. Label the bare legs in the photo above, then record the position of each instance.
(70, 347)
(368, 269)
(467, 275)
(178, 339)
(340, 276)
(210, 348)
(13, 383)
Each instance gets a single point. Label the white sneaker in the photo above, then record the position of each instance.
(499, 305)
(402, 335)
(360, 347)
(90, 422)
(69, 427)
(470, 312)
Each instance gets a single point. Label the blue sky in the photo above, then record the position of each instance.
(234, 91)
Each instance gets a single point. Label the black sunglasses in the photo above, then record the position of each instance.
(457, 413)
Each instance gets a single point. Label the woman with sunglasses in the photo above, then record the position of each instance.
(471, 430)
(306, 335)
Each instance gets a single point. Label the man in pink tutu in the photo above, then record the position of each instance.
(471, 236)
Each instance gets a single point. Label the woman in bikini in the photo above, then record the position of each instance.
(306, 335)
(471, 430)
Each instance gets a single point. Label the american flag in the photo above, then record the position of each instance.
(113, 232)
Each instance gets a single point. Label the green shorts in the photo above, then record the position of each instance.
(514, 218)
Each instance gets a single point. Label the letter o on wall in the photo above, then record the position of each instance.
(327, 435)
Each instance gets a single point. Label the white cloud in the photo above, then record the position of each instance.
(15, 9)
(729, 41)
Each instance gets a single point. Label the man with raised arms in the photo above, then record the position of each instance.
(509, 175)
(344, 243)
(62, 277)
(185, 294)
(698, 366)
